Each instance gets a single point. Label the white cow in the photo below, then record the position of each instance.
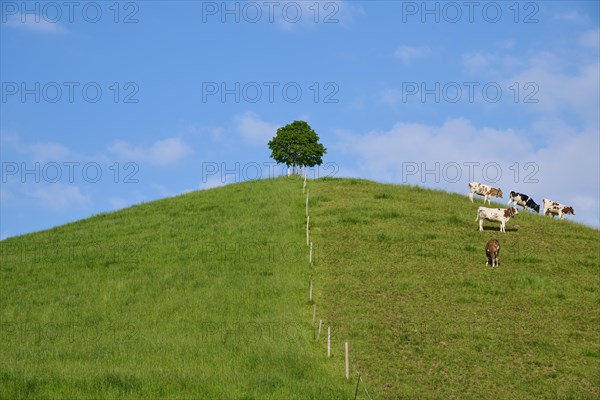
(553, 208)
(483, 190)
(501, 215)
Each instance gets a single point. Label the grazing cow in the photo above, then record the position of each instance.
(501, 215)
(524, 201)
(492, 252)
(483, 190)
(553, 208)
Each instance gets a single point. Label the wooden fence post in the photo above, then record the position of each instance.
(307, 205)
(347, 363)
(307, 223)
(314, 314)
(328, 341)
(319, 331)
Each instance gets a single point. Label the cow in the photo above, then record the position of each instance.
(492, 252)
(553, 208)
(501, 215)
(524, 201)
(484, 190)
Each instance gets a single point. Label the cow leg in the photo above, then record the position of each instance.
(498, 258)
(481, 225)
(471, 196)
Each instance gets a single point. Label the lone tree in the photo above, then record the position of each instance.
(296, 144)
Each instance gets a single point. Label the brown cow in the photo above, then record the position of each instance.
(484, 190)
(492, 252)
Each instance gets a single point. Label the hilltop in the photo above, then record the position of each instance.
(205, 295)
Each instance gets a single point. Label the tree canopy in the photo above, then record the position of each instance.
(297, 144)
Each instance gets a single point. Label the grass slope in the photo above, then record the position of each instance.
(199, 296)
(401, 276)
(204, 296)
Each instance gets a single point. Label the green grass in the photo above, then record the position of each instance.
(205, 296)
(199, 296)
(404, 282)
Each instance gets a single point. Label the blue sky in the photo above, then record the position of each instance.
(105, 105)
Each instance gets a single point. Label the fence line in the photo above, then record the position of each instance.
(314, 318)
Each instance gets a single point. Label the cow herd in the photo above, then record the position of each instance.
(502, 215)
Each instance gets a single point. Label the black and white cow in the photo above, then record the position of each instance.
(524, 201)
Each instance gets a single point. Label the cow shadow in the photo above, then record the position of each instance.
(492, 229)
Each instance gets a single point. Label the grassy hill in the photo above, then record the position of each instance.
(199, 296)
(404, 281)
(205, 296)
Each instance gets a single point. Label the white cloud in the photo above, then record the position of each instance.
(47, 152)
(566, 168)
(162, 152)
(409, 53)
(38, 152)
(489, 63)
(571, 16)
(162, 190)
(591, 39)
(59, 196)
(506, 44)
(572, 93)
(35, 23)
(390, 97)
(476, 61)
(118, 203)
(44, 152)
(213, 183)
(214, 133)
(382, 153)
(254, 130)
(550, 84)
